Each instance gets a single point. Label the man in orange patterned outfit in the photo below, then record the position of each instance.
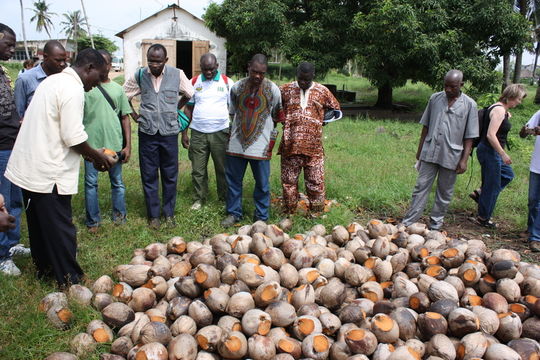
(304, 105)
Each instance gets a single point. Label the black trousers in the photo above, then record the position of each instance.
(158, 159)
(53, 237)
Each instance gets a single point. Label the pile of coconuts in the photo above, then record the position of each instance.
(381, 292)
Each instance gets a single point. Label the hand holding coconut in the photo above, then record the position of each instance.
(110, 156)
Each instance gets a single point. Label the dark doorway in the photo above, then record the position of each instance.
(184, 55)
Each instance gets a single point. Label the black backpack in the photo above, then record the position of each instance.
(483, 124)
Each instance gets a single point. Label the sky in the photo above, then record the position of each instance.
(107, 17)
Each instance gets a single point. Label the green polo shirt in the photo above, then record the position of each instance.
(101, 123)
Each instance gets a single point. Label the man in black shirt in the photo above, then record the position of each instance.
(9, 128)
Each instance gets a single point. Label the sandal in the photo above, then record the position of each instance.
(487, 223)
(475, 195)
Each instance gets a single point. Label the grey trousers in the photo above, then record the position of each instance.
(446, 179)
(201, 147)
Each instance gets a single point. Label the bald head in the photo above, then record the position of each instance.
(454, 75)
(453, 81)
(54, 57)
(51, 45)
(209, 65)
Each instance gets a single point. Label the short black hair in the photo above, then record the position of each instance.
(157, 47)
(89, 56)
(104, 52)
(6, 30)
(260, 59)
(52, 44)
(306, 68)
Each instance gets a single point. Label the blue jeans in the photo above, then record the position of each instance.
(235, 169)
(13, 203)
(533, 221)
(91, 202)
(495, 176)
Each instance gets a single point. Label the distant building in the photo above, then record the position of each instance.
(527, 70)
(184, 35)
(35, 49)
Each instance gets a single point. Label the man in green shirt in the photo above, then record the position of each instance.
(106, 121)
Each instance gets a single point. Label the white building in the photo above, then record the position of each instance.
(184, 35)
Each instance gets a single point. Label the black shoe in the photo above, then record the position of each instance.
(487, 223)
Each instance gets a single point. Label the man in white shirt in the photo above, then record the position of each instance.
(209, 114)
(533, 220)
(45, 163)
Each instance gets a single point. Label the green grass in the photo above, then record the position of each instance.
(369, 171)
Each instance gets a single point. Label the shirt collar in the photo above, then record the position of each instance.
(216, 78)
(40, 73)
(69, 70)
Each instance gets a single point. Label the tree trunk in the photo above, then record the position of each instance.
(506, 71)
(384, 97)
(523, 7)
(537, 50)
(24, 31)
(88, 25)
(75, 25)
(517, 67)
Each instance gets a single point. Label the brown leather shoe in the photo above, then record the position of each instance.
(534, 246)
(153, 223)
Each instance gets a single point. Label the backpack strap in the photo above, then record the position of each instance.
(226, 81)
(107, 97)
(138, 76)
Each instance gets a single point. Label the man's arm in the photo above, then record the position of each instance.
(20, 96)
(132, 89)
(423, 135)
(462, 164)
(188, 110)
(126, 133)
(100, 160)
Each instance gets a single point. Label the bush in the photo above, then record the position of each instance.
(13, 69)
(287, 71)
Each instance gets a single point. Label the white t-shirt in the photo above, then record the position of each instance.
(210, 101)
(42, 156)
(535, 159)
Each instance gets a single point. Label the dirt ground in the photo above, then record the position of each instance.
(459, 225)
(114, 74)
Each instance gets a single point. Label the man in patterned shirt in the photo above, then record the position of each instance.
(254, 106)
(304, 105)
(9, 128)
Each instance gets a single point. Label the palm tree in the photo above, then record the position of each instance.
(73, 25)
(42, 17)
(24, 31)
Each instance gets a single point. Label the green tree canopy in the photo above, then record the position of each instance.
(421, 40)
(100, 43)
(250, 27)
(397, 40)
